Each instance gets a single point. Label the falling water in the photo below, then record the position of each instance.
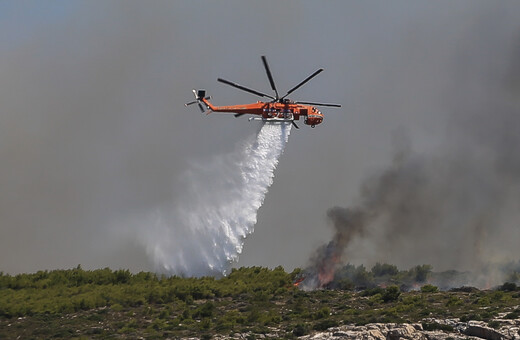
(204, 233)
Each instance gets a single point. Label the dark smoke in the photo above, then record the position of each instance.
(427, 209)
(454, 206)
(348, 223)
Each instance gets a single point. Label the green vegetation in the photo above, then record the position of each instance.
(429, 289)
(350, 276)
(103, 303)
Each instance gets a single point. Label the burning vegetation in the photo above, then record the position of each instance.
(327, 259)
(383, 275)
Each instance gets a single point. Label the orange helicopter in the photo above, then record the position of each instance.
(279, 109)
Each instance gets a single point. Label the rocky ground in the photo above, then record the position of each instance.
(499, 328)
(461, 330)
(428, 329)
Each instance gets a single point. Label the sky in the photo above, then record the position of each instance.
(93, 130)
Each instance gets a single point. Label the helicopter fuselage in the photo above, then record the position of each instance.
(273, 111)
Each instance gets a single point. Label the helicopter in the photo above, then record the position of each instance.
(279, 109)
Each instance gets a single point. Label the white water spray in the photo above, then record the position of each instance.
(205, 232)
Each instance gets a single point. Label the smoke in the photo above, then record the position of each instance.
(347, 223)
(452, 210)
(204, 232)
(448, 210)
(454, 205)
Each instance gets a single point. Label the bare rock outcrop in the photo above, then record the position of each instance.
(375, 331)
(479, 329)
(427, 329)
(438, 329)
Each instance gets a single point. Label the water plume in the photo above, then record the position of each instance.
(204, 233)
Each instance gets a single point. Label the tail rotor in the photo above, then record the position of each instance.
(199, 95)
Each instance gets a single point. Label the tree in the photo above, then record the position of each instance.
(384, 269)
(421, 272)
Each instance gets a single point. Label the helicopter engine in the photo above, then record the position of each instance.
(314, 118)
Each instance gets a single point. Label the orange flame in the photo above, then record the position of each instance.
(328, 269)
(297, 282)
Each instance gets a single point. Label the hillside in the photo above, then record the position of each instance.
(248, 303)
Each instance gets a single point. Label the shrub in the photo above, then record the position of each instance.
(205, 324)
(164, 314)
(468, 317)
(345, 284)
(373, 291)
(429, 289)
(254, 315)
(453, 301)
(465, 289)
(322, 313)
(391, 294)
(494, 324)
(498, 295)
(205, 311)
(325, 324)
(434, 326)
(508, 287)
(301, 329)
(513, 315)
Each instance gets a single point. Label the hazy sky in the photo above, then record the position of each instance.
(93, 129)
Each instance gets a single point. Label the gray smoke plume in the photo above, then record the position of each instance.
(455, 206)
(452, 210)
(348, 223)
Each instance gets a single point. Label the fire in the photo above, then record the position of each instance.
(416, 286)
(297, 282)
(323, 271)
(327, 269)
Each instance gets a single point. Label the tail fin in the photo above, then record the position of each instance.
(199, 100)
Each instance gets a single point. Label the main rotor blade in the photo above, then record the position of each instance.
(243, 88)
(238, 114)
(303, 82)
(319, 104)
(201, 108)
(270, 76)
